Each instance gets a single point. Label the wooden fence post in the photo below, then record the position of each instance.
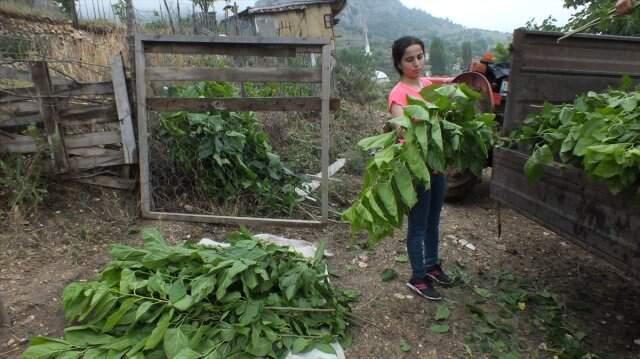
(49, 114)
(124, 110)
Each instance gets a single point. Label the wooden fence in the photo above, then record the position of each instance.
(230, 46)
(84, 126)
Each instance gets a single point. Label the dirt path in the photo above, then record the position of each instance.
(68, 241)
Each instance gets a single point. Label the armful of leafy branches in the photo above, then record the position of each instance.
(441, 130)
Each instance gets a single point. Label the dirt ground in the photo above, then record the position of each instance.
(67, 241)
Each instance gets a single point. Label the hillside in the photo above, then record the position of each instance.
(388, 20)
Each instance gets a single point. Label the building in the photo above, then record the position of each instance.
(287, 18)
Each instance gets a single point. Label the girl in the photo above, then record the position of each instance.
(424, 218)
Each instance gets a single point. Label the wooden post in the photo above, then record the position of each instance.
(124, 110)
(74, 15)
(131, 38)
(143, 140)
(325, 95)
(49, 114)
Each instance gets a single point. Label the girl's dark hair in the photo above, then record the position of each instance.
(399, 46)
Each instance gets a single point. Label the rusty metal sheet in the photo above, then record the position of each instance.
(569, 203)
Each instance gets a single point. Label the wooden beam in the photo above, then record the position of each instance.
(240, 74)
(233, 40)
(49, 113)
(300, 104)
(240, 221)
(325, 95)
(84, 112)
(206, 49)
(84, 89)
(124, 110)
(18, 144)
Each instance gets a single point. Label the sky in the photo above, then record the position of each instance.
(501, 15)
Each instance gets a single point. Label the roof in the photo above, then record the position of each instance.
(291, 5)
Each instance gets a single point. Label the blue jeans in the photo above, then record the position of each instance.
(423, 233)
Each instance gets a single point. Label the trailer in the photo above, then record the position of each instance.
(566, 200)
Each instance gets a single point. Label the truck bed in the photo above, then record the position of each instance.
(565, 200)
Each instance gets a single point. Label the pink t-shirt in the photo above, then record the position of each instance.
(400, 91)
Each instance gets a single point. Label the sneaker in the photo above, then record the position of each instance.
(437, 275)
(424, 288)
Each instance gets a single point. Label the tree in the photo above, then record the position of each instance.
(204, 5)
(589, 10)
(69, 8)
(355, 76)
(466, 54)
(501, 53)
(437, 57)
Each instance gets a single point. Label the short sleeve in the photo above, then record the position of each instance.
(397, 97)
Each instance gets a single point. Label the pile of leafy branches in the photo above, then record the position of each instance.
(227, 154)
(599, 132)
(248, 300)
(440, 130)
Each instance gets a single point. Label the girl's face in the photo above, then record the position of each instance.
(412, 63)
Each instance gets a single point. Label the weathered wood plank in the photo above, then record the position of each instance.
(300, 104)
(86, 112)
(124, 110)
(20, 108)
(92, 139)
(48, 111)
(90, 151)
(244, 221)
(240, 74)
(105, 119)
(84, 163)
(84, 89)
(19, 121)
(18, 144)
(109, 182)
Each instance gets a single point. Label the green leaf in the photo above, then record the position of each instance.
(325, 348)
(417, 166)
(442, 312)
(482, 292)
(386, 196)
(184, 304)
(402, 259)
(237, 268)
(379, 141)
(187, 354)
(158, 332)
(174, 342)
(45, 350)
(534, 167)
(301, 345)
(389, 274)
(440, 328)
(402, 121)
(405, 346)
(115, 318)
(202, 286)
(423, 139)
(251, 313)
(404, 184)
(416, 113)
(143, 308)
(177, 291)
